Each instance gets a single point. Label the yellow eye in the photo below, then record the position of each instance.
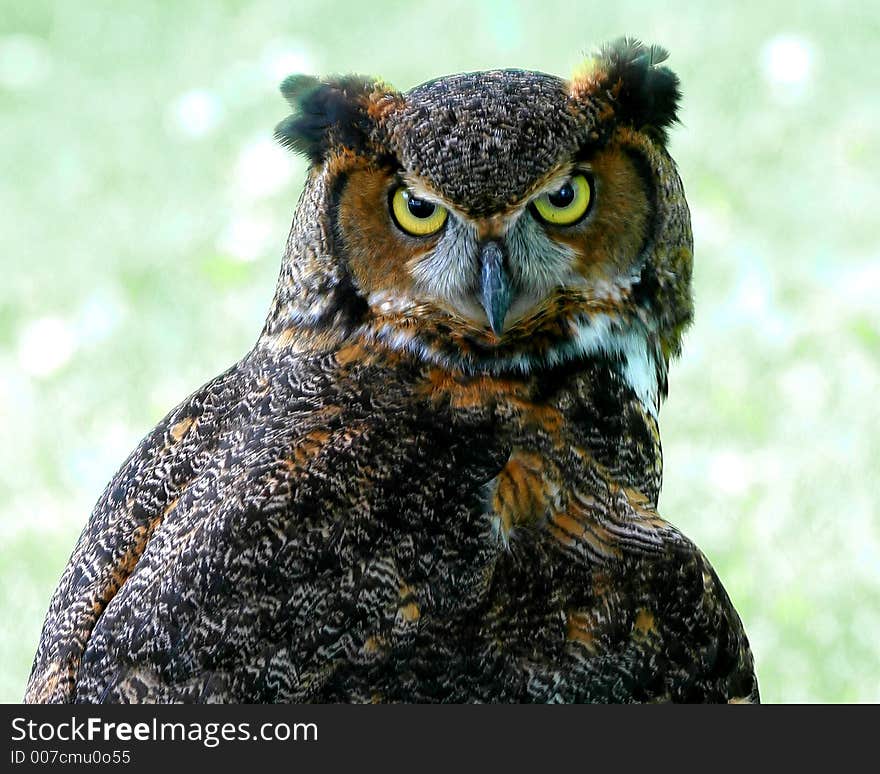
(568, 205)
(416, 216)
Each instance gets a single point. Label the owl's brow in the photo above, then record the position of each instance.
(563, 175)
(423, 190)
(549, 183)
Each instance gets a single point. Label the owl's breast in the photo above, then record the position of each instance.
(572, 520)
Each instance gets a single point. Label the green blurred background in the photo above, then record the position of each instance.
(144, 208)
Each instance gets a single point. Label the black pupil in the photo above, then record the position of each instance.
(419, 207)
(563, 197)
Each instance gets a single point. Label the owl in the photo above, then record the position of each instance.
(435, 477)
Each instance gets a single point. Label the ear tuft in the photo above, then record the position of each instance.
(645, 94)
(326, 114)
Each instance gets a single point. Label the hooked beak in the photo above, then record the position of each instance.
(494, 286)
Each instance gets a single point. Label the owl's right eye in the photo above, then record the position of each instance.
(414, 215)
(567, 205)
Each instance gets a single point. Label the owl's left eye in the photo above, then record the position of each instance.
(414, 215)
(567, 205)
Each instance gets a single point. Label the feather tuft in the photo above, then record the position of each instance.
(645, 93)
(326, 113)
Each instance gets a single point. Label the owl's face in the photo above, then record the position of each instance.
(506, 218)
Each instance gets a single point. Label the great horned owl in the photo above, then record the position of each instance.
(435, 476)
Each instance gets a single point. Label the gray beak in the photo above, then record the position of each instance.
(494, 285)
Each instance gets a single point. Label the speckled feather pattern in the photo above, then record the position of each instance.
(531, 121)
(339, 517)
(320, 530)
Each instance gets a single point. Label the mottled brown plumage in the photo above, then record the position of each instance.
(435, 477)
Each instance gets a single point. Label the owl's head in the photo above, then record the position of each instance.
(493, 220)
